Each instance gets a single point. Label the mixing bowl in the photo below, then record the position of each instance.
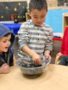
(35, 69)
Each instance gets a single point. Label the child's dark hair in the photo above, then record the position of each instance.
(12, 37)
(38, 4)
(7, 34)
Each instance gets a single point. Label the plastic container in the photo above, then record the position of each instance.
(35, 69)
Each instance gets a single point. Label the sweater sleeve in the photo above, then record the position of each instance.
(23, 36)
(49, 42)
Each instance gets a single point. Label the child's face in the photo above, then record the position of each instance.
(38, 16)
(5, 43)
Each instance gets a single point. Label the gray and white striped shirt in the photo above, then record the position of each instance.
(37, 38)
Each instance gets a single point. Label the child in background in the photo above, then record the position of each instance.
(35, 37)
(6, 52)
(64, 50)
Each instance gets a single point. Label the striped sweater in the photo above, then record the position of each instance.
(37, 38)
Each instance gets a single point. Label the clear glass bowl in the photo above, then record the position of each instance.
(35, 69)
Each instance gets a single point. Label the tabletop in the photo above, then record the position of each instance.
(55, 78)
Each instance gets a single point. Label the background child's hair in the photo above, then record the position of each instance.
(7, 34)
(38, 4)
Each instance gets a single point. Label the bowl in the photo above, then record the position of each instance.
(35, 69)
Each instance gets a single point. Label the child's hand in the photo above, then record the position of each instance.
(47, 54)
(57, 57)
(4, 69)
(36, 58)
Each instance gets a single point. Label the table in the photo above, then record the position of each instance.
(55, 78)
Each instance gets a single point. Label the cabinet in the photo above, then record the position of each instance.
(65, 19)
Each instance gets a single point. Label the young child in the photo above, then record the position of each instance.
(6, 52)
(64, 50)
(35, 38)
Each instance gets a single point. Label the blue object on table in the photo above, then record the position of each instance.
(13, 26)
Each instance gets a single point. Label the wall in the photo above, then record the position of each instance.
(55, 19)
(52, 3)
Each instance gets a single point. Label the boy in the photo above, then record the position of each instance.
(35, 38)
(6, 53)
